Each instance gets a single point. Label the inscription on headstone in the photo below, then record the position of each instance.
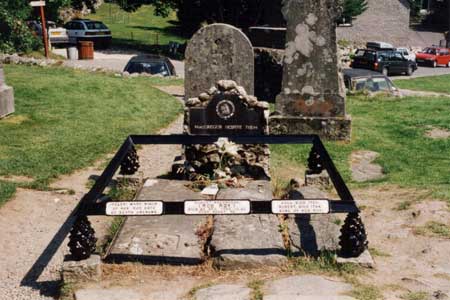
(217, 52)
(226, 115)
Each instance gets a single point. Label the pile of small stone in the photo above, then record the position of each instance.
(224, 159)
(24, 60)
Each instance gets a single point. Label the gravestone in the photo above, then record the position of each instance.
(312, 98)
(216, 52)
(6, 96)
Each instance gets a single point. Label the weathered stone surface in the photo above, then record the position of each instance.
(85, 270)
(306, 287)
(224, 292)
(247, 241)
(6, 96)
(322, 179)
(338, 128)
(169, 238)
(363, 168)
(217, 52)
(312, 233)
(108, 294)
(364, 260)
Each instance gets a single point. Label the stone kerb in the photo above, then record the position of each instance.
(216, 52)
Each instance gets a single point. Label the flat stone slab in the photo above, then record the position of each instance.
(6, 100)
(306, 287)
(85, 270)
(313, 233)
(364, 260)
(224, 292)
(108, 294)
(247, 241)
(363, 168)
(161, 239)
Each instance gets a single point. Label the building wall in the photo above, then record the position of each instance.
(384, 20)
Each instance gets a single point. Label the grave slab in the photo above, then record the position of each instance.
(218, 52)
(313, 233)
(85, 270)
(247, 241)
(6, 96)
(107, 294)
(162, 239)
(224, 292)
(364, 260)
(306, 287)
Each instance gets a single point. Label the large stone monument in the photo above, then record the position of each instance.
(216, 52)
(312, 98)
(6, 96)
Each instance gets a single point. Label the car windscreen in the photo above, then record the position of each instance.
(373, 84)
(148, 67)
(95, 25)
(429, 51)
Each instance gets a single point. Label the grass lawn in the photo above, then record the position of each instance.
(439, 84)
(140, 29)
(66, 119)
(394, 128)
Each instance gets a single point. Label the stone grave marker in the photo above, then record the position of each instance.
(6, 96)
(312, 98)
(216, 52)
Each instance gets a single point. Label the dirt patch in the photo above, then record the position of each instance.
(15, 119)
(174, 90)
(437, 133)
(362, 166)
(17, 179)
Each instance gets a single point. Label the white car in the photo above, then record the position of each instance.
(407, 53)
(56, 35)
(89, 30)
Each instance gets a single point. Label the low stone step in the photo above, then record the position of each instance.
(247, 241)
(161, 239)
(224, 292)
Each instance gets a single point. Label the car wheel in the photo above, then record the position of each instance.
(410, 71)
(434, 64)
(385, 71)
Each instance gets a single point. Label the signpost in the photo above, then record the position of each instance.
(41, 5)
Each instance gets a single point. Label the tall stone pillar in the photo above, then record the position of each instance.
(6, 96)
(312, 98)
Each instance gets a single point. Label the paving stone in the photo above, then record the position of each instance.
(224, 292)
(306, 287)
(247, 241)
(364, 260)
(85, 270)
(169, 238)
(313, 233)
(108, 294)
(363, 168)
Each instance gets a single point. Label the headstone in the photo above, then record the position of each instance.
(6, 96)
(217, 52)
(312, 98)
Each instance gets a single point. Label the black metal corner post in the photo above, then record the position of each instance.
(353, 238)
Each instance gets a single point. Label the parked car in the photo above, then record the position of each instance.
(56, 35)
(434, 56)
(379, 46)
(407, 53)
(88, 30)
(360, 80)
(385, 61)
(151, 64)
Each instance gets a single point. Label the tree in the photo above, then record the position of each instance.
(353, 8)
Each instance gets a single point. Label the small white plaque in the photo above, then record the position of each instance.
(300, 207)
(37, 3)
(217, 207)
(134, 208)
(210, 190)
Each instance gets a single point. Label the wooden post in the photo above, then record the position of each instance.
(44, 30)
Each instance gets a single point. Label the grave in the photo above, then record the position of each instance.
(216, 52)
(6, 96)
(312, 98)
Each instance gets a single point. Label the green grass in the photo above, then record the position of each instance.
(140, 29)
(366, 292)
(434, 228)
(415, 296)
(7, 190)
(66, 119)
(394, 128)
(439, 84)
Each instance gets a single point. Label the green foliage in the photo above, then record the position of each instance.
(353, 8)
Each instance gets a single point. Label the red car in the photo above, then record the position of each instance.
(434, 56)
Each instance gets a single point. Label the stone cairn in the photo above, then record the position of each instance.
(224, 160)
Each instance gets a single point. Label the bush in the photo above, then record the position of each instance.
(15, 36)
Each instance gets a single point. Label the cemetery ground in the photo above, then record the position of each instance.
(61, 128)
(438, 84)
